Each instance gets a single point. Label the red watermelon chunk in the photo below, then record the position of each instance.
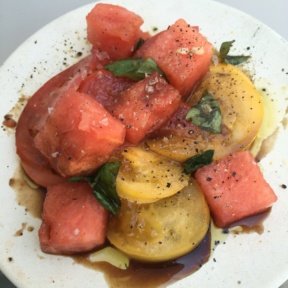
(79, 134)
(235, 188)
(182, 53)
(73, 220)
(104, 87)
(145, 106)
(113, 29)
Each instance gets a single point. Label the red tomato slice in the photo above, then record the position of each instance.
(36, 111)
(177, 125)
(103, 86)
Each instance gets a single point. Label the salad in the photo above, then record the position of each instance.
(142, 140)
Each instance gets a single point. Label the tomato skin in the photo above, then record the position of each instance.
(104, 87)
(114, 29)
(36, 111)
(73, 220)
(145, 106)
(182, 53)
(234, 188)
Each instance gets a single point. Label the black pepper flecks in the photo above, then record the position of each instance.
(283, 186)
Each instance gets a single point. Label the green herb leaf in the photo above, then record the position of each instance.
(236, 60)
(206, 114)
(135, 69)
(225, 49)
(231, 59)
(198, 161)
(103, 184)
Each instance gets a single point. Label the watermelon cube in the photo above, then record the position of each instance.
(145, 106)
(234, 188)
(182, 53)
(113, 29)
(79, 134)
(73, 220)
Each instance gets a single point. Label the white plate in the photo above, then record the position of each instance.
(255, 260)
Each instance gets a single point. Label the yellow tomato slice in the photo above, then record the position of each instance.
(162, 230)
(145, 176)
(242, 114)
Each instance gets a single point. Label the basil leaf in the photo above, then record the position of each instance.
(236, 60)
(206, 114)
(135, 69)
(225, 49)
(198, 161)
(103, 184)
(231, 59)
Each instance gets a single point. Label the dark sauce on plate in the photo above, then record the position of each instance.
(253, 223)
(30, 198)
(150, 275)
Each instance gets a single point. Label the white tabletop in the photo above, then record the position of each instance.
(20, 19)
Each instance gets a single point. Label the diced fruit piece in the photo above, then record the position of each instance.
(145, 176)
(181, 52)
(163, 230)
(81, 140)
(103, 86)
(242, 113)
(73, 220)
(145, 106)
(36, 111)
(235, 188)
(113, 29)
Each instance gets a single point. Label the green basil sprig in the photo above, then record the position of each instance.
(103, 184)
(231, 59)
(135, 69)
(198, 161)
(206, 114)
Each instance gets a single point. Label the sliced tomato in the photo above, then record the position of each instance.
(103, 86)
(73, 220)
(181, 52)
(145, 106)
(36, 111)
(114, 29)
(234, 188)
